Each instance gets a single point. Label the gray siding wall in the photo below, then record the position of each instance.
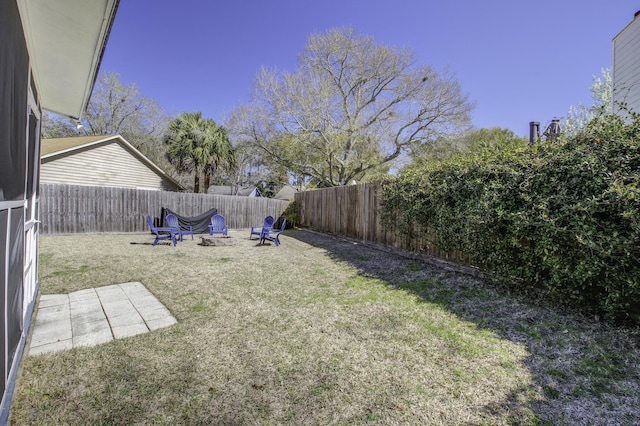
(626, 66)
(106, 164)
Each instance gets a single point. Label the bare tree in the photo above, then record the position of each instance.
(57, 126)
(116, 108)
(601, 94)
(349, 109)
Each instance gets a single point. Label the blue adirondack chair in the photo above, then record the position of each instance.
(162, 233)
(273, 235)
(172, 222)
(217, 225)
(257, 230)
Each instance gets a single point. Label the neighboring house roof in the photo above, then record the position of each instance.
(104, 160)
(286, 193)
(249, 192)
(66, 41)
(243, 191)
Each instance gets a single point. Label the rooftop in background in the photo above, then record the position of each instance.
(243, 191)
(286, 193)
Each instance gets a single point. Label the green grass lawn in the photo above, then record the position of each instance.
(321, 331)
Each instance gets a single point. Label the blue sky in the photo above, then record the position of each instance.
(518, 61)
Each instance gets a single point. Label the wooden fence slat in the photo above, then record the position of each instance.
(353, 212)
(82, 209)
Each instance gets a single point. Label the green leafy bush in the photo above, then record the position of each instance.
(559, 219)
(292, 214)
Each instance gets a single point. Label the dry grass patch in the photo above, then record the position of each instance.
(321, 331)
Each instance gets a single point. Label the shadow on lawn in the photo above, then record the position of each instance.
(575, 362)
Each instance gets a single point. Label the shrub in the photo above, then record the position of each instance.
(292, 214)
(561, 220)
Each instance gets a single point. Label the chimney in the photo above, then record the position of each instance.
(534, 131)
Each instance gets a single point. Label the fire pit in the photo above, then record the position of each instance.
(219, 240)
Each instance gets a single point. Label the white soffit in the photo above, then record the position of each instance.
(66, 41)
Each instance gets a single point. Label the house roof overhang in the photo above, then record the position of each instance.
(66, 41)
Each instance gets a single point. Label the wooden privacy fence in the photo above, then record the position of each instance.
(354, 212)
(69, 209)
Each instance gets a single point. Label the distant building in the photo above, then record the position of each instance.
(243, 191)
(626, 66)
(286, 193)
(101, 161)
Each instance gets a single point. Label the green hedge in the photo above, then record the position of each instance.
(559, 219)
(292, 214)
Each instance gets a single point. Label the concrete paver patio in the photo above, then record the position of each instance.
(96, 315)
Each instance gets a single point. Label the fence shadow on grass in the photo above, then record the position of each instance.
(574, 361)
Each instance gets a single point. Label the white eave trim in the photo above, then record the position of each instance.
(66, 41)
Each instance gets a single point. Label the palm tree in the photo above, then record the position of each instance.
(221, 155)
(196, 144)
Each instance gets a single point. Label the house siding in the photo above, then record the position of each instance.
(108, 164)
(626, 66)
(19, 215)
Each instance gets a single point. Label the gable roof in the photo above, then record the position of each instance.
(58, 147)
(249, 191)
(67, 39)
(243, 191)
(286, 193)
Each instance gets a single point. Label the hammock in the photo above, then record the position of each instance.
(200, 224)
